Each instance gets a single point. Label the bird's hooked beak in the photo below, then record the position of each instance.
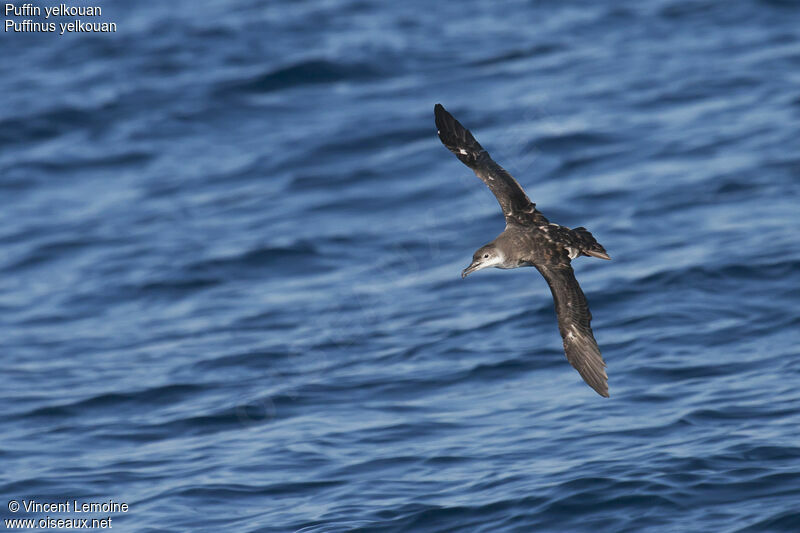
(476, 265)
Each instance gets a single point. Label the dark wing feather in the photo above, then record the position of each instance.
(574, 323)
(459, 140)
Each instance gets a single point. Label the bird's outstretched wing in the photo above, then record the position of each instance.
(574, 323)
(509, 194)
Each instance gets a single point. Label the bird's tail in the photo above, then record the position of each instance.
(456, 137)
(589, 245)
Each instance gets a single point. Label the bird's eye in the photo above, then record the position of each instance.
(485, 256)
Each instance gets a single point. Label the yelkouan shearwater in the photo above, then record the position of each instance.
(531, 240)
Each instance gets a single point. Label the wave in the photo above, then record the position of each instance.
(308, 72)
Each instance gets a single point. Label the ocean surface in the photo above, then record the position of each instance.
(230, 256)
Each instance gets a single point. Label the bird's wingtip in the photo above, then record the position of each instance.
(600, 388)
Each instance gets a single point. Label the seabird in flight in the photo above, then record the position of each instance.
(531, 240)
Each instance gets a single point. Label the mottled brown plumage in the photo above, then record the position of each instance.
(529, 239)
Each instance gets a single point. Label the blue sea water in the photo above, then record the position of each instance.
(230, 246)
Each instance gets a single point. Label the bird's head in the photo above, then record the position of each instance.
(486, 256)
